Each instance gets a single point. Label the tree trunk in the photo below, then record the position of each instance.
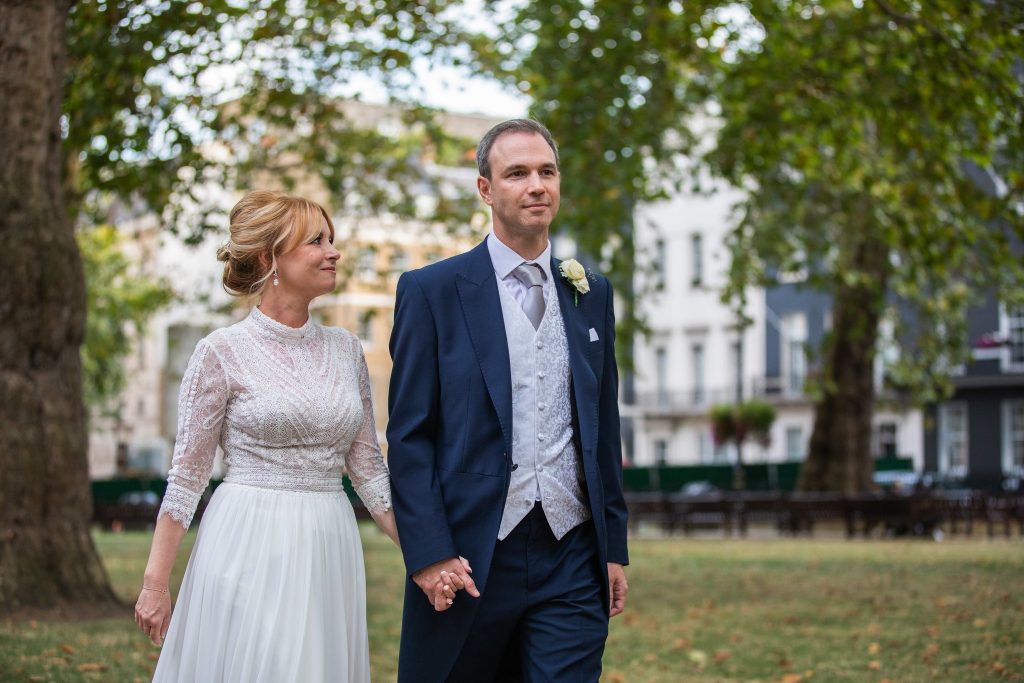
(839, 456)
(46, 553)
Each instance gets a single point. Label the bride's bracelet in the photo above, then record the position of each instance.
(158, 590)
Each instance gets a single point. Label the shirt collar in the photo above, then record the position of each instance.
(505, 259)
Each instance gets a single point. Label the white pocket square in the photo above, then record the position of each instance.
(593, 334)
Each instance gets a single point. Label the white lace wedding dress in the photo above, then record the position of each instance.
(274, 591)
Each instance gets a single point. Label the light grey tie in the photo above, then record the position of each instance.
(532, 275)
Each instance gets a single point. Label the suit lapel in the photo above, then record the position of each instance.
(478, 293)
(584, 381)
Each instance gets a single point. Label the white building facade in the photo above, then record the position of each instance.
(696, 354)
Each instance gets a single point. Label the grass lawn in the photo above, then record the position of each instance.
(700, 610)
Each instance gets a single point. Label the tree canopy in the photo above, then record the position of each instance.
(610, 80)
(166, 99)
(881, 148)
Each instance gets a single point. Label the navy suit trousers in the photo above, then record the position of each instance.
(541, 617)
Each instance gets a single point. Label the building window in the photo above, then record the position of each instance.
(699, 393)
(661, 375)
(705, 447)
(1013, 438)
(795, 443)
(660, 265)
(883, 440)
(886, 354)
(953, 432)
(794, 353)
(365, 327)
(697, 259)
(737, 369)
(660, 452)
(399, 262)
(366, 263)
(1014, 318)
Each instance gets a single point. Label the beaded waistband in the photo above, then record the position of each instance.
(285, 480)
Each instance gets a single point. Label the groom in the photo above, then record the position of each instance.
(503, 443)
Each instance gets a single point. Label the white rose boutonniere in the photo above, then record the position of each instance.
(574, 272)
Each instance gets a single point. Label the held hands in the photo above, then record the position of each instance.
(617, 588)
(442, 580)
(153, 613)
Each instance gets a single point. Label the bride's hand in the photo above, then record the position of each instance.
(153, 613)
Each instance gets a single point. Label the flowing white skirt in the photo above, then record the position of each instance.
(274, 593)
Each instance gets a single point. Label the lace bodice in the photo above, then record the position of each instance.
(290, 408)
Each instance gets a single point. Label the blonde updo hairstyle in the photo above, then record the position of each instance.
(264, 225)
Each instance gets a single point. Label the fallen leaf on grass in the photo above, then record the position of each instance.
(998, 667)
(616, 677)
(698, 657)
(874, 665)
(979, 623)
(785, 663)
(932, 631)
(792, 678)
(67, 648)
(874, 629)
(682, 644)
(92, 666)
(874, 648)
(721, 655)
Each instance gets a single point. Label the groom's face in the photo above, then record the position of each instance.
(524, 188)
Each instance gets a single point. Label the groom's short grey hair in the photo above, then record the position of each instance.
(483, 150)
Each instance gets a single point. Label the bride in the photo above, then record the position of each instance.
(274, 590)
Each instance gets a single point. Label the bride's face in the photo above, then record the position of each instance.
(310, 268)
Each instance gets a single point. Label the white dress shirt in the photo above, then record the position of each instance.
(506, 260)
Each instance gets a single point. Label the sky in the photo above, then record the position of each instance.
(453, 90)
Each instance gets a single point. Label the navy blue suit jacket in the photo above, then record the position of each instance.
(450, 434)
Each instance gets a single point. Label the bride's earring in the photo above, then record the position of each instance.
(276, 281)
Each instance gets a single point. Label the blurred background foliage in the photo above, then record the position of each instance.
(878, 142)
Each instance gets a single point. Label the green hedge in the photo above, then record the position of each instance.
(760, 477)
(107, 491)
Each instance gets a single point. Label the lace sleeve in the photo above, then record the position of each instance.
(365, 464)
(201, 403)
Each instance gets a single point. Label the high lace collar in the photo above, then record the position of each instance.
(276, 329)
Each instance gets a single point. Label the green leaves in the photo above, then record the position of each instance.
(165, 100)
(119, 302)
(880, 128)
(610, 81)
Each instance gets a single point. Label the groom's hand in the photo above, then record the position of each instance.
(617, 588)
(441, 580)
